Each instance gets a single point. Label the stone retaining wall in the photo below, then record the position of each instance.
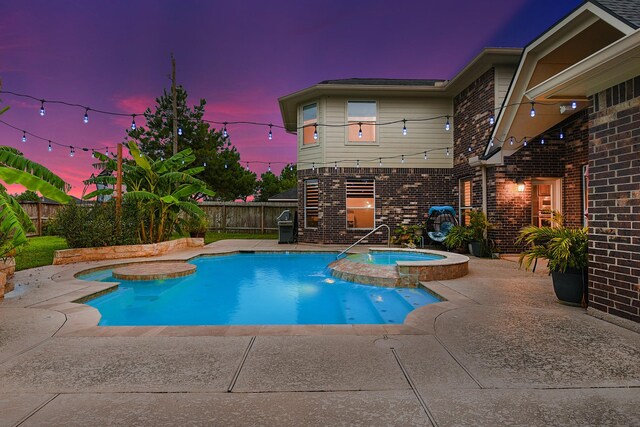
(68, 256)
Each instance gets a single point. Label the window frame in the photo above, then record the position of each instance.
(463, 209)
(347, 208)
(307, 207)
(350, 123)
(310, 124)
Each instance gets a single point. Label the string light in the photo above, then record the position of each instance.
(226, 166)
(533, 110)
(269, 167)
(357, 163)
(204, 164)
(404, 126)
(511, 141)
(106, 152)
(491, 142)
(360, 130)
(93, 154)
(42, 107)
(315, 131)
(180, 131)
(335, 166)
(72, 152)
(86, 116)
(402, 160)
(492, 119)
(224, 130)
(525, 141)
(49, 148)
(447, 125)
(469, 147)
(291, 168)
(133, 122)
(561, 134)
(447, 151)
(541, 140)
(425, 155)
(380, 164)
(270, 132)
(24, 136)
(313, 166)
(574, 105)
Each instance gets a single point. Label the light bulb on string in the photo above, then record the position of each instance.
(270, 132)
(269, 168)
(402, 159)
(447, 125)
(511, 141)
(72, 152)
(492, 119)
(469, 147)
(315, 131)
(561, 134)
(447, 151)
(574, 105)
(532, 113)
(380, 164)
(525, 141)
(93, 154)
(335, 166)
(247, 166)
(42, 107)
(404, 127)
(49, 148)
(313, 166)
(204, 164)
(106, 152)
(291, 168)
(357, 163)
(180, 131)
(541, 140)
(226, 166)
(133, 122)
(24, 136)
(425, 155)
(360, 130)
(491, 142)
(224, 131)
(86, 116)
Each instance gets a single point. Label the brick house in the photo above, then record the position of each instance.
(517, 133)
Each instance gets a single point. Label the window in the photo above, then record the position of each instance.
(466, 200)
(546, 198)
(361, 204)
(309, 121)
(361, 117)
(311, 203)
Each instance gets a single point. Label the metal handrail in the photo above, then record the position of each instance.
(367, 235)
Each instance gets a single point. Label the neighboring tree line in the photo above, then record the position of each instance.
(222, 171)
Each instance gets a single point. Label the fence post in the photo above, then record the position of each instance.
(39, 218)
(262, 219)
(224, 217)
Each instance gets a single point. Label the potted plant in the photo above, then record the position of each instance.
(406, 234)
(565, 249)
(479, 226)
(197, 226)
(458, 239)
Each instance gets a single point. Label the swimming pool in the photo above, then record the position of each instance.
(254, 289)
(390, 257)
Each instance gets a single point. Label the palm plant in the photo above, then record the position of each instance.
(563, 247)
(164, 190)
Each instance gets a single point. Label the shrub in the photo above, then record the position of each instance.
(95, 226)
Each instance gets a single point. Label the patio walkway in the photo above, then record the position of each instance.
(501, 351)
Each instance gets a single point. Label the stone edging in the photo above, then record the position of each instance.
(68, 256)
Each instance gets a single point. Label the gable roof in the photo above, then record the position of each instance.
(382, 82)
(625, 10)
(290, 194)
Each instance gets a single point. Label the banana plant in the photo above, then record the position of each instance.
(17, 169)
(163, 190)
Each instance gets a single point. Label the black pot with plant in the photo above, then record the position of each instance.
(479, 226)
(565, 249)
(458, 239)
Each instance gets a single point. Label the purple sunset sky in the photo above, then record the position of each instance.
(240, 56)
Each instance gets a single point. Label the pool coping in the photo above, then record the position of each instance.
(82, 320)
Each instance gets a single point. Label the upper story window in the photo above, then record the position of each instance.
(309, 121)
(362, 121)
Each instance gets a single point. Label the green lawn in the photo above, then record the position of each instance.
(213, 236)
(39, 251)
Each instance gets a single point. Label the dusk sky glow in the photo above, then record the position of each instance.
(240, 56)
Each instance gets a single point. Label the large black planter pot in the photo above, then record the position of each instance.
(476, 248)
(569, 286)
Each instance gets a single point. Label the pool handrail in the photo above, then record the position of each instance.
(367, 235)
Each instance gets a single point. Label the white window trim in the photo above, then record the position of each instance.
(316, 142)
(346, 120)
(305, 202)
(462, 209)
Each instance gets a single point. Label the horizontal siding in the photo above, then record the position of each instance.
(421, 136)
(307, 154)
(504, 75)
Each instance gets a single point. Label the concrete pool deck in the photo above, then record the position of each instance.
(500, 351)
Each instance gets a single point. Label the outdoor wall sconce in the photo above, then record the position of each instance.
(520, 185)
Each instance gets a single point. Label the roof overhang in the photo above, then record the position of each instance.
(572, 60)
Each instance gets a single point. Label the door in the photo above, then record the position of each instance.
(546, 198)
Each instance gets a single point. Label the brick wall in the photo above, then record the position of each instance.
(509, 209)
(403, 195)
(614, 201)
(471, 129)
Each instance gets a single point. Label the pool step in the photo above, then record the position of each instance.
(368, 274)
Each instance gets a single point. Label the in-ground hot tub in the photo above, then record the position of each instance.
(400, 267)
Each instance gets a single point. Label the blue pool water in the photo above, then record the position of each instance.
(254, 289)
(390, 257)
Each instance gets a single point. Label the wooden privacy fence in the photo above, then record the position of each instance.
(250, 217)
